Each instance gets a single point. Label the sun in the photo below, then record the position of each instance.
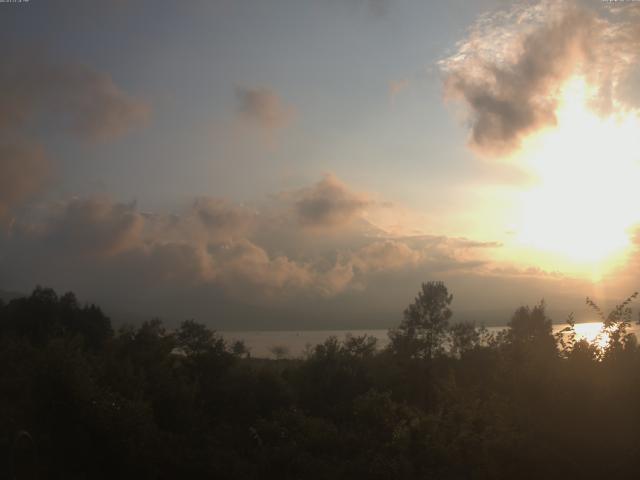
(587, 170)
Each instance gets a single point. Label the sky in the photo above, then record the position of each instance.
(307, 164)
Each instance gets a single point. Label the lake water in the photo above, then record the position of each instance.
(295, 342)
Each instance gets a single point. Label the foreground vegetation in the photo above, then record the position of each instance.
(444, 400)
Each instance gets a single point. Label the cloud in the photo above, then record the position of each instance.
(89, 103)
(94, 226)
(205, 245)
(24, 168)
(329, 203)
(214, 252)
(244, 268)
(513, 271)
(164, 266)
(36, 90)
(222, 220)
(509, 70)
(387, 255)
(264, 108)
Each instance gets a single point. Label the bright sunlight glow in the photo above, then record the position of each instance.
(586, 195)
(592, 332)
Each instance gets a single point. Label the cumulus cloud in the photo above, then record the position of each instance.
(34, 90)
(222, 220)
(94, 226)
(206, 244)
(24, 168)
(106, 249)
(439, 253)
(510, 68)
(264, 107)
(401, 257)
(247, 269)
(98, 238)
(32, 86)
(156, 267)
(387, 255)
(329, 203)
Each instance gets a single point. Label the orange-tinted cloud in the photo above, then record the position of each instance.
(329, 203)
(222, 220)
(87, 102)
(34, 89)
(218, 245)
(24, 168)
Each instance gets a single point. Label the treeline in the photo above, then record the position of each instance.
(442, 401)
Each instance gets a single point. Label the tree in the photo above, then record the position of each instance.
(194, 338)
(279, 352)
(360, 347)
(464, 337)
(615, 326)
(423, 331)
(531, 332)
(44, 315)
(239, 349)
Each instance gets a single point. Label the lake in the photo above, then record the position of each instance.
(294, 342)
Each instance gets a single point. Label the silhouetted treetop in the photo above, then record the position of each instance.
(43, 315)
(423, 330)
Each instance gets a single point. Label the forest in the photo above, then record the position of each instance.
(444, 400)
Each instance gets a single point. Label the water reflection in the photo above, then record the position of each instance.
(262, 343)
(593, 333)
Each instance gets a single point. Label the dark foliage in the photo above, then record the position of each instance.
(442, 401)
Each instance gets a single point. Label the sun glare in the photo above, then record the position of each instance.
(585, 198)
(592, 332)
